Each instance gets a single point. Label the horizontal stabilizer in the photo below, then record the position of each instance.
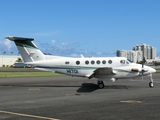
(18, 38)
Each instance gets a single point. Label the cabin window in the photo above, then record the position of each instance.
(122, 61)
(77, 62)
(98, 62)
(110, 61)
(92, 62)
(87, 62)
(66, 62)
(104, 62)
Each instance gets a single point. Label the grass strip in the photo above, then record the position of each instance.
(28, 74)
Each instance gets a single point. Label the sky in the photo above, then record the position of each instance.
(74, 27)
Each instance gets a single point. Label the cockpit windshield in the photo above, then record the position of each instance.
(129, 61)
(124, 62)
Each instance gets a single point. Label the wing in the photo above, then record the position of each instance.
(103, 71)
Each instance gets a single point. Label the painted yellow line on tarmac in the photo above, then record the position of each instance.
(33, 89)
(27, 115)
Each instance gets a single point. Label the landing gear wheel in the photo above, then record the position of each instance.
(100, 84)
(151, 84)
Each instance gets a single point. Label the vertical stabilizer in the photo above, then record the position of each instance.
(28, 50)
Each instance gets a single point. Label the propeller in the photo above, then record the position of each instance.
(143, 69)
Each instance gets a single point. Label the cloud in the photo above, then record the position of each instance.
(98, 53)
(72, 50)
(53, 42)
(55, 48)
(62, 49)
(8, 47)
(75, 55)
(8, 44)
(64, 44)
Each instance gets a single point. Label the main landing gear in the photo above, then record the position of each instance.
(100, 84)
(151, 84)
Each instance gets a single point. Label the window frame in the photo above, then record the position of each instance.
(78, 62)
(92, 62)
(104, 62)
(86, 62)
(98, 62)
(110, 61)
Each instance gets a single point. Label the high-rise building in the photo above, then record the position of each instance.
(138, 52)
(153, 53)
(149, 52)
(134, 56)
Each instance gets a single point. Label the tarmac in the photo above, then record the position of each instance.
(74, 98)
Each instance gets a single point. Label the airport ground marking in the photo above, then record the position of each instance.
(34, 89)
(130, 101)
(27, 115)
(74, 94)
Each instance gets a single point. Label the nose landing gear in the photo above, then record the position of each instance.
(151, 84)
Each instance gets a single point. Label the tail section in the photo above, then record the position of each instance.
(28, 50)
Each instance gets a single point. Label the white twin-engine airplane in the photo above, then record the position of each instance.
(103, 68)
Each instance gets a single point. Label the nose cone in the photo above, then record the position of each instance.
(152, 70)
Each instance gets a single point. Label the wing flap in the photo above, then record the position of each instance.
(102, 71)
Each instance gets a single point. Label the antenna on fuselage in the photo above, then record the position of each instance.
(81, 56)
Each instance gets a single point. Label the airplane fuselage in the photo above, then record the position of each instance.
(84, 67)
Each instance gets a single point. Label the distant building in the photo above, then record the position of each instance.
(6, 61)
(136, 55)
(149, 52)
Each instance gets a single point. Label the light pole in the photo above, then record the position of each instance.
(4, 53)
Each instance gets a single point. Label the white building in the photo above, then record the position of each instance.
(8, 60)
(134, 56)
(149, 52)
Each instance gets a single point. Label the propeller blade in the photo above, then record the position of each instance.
(143, 70)
(142, 78)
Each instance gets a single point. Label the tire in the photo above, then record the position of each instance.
(151, 84)
(101, 85)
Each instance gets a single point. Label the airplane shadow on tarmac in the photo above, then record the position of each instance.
(90, 87)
